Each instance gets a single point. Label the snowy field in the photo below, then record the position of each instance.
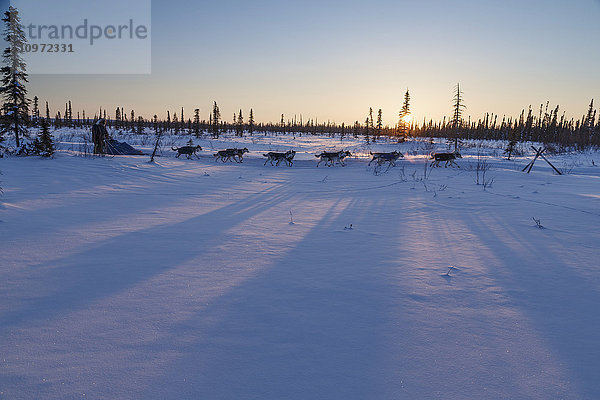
(188, 279)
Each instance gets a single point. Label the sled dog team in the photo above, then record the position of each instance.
(236, 155)
(329, 158)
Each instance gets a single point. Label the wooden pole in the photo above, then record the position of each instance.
(549, 163)
(537, 155)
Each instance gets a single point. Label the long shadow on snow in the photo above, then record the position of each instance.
(111, 204)
(97, 170)
(121, 262)
(561, 304)
(301, 329)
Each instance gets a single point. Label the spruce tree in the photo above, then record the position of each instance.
(118, 117)
(403, 124)
(240, 124)
(216, 117)
(596, 136)
(43, 145)
(36, 109)
(14, 78)
(251, 122)
(529, 125)
(58, 121)
(369, 125)
(197, 121)
(176, 123)
(182, 120)
(457, 115)
(379, 122)
(512, 142)
(140, 126)
(590, 118)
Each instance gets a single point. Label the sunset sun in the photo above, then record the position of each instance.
(407, 119)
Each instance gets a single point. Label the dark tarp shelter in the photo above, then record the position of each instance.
(115, 148)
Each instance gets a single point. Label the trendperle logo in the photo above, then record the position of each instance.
(87, 32)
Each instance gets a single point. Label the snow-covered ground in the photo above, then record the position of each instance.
(187, 279)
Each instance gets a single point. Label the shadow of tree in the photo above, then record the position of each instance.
(122, 261)
(307, 327)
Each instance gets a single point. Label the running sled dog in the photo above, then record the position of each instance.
(287, 158)
(382, 158)
(331, 159)
(189, 151)
(231, 155)
(448, 158)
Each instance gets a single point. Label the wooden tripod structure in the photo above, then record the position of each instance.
(539, 153)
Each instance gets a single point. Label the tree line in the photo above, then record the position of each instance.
(546, 125)
(18, 115)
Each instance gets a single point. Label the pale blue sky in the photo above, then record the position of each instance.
(334, 59)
